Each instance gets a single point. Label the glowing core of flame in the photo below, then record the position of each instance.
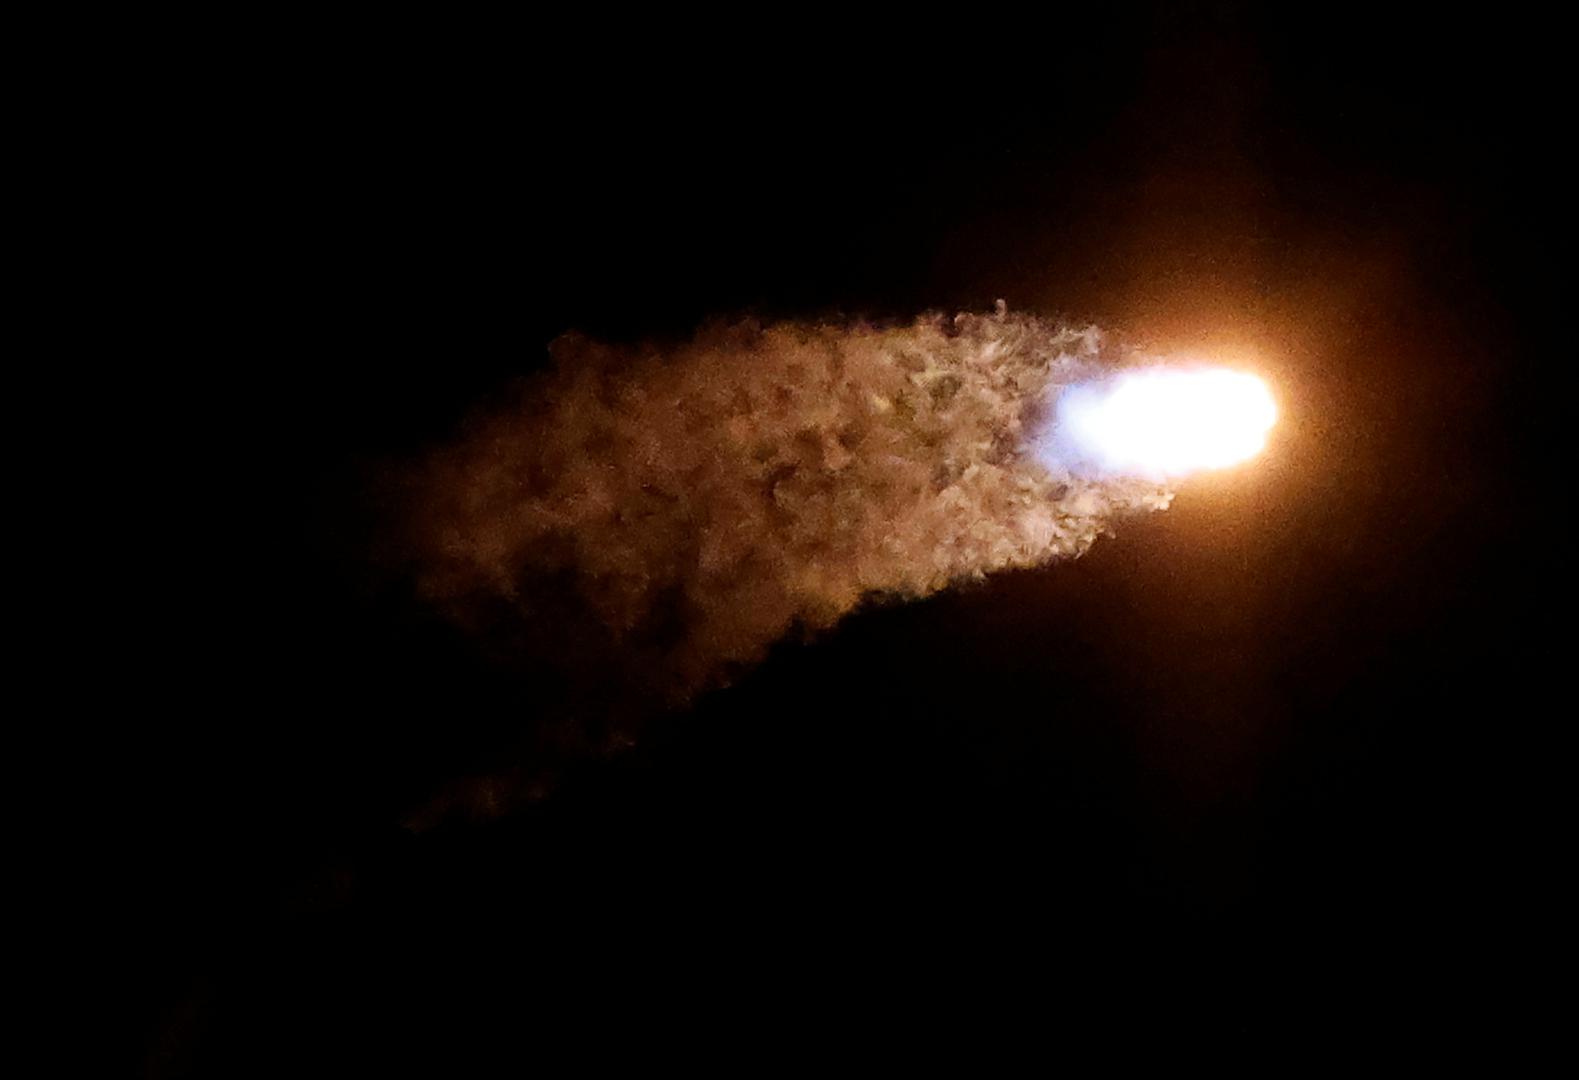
(1168, 421)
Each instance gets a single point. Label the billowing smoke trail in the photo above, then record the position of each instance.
(658, 519)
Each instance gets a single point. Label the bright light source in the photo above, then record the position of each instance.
(1167, 421)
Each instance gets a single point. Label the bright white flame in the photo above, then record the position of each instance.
(1167, 421)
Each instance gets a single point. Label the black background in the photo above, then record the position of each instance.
(1262, 771)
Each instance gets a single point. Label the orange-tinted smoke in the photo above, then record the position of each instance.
(661, 516)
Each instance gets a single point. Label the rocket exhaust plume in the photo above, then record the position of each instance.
(1163, 422)
(654, 520)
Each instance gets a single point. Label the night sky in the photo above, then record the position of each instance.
(1261, 771)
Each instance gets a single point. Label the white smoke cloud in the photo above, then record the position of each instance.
(659, 517)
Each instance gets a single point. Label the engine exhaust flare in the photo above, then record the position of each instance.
(1163, 422)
